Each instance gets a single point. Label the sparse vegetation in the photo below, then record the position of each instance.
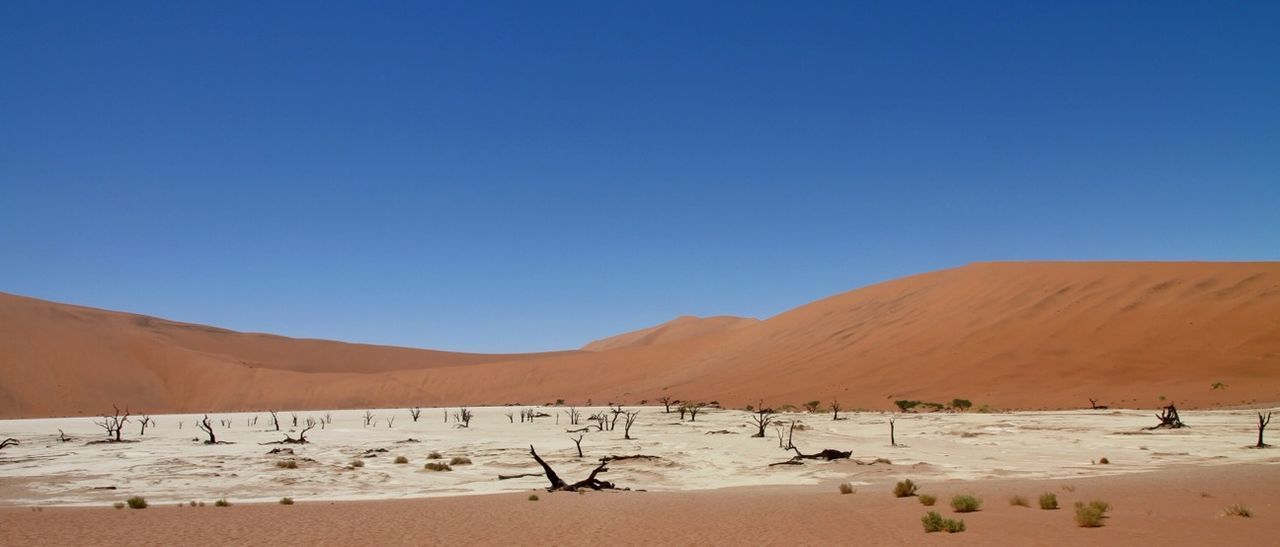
(1090, 515)
(222, 502)
(460, 460)
(927, 500)
(905, 488)
(402, 459)
(965, 503)
(846, 488)
(286, 501)
(434, 466)
(1238, 510)
(933, 522)
(1048, 501)
(1019, 501)
(136, 502)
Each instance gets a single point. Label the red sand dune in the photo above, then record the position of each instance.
(1010, 335)
(680, 328)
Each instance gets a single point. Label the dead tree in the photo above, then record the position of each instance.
(617, 411)
(11, 442)
(114, 423)
(828, 454)
(302, 435)
(391, 421)
(207, 427)
(1094, 403)
(683, 409)
(511, 417)
(368, 418)
(600, 419)
(558, 484)
(835, 410)
(666, 403)
(784, 440)
(1168, 419)
(1262, 425)
(574, 415)
(62, 437)
(577, 442)
(762, 418)
(463, 417)
(415, 412)
(892, 441)
(146, 420)
(694, 410)
(626, 426)
(295, 418)
(275, 420)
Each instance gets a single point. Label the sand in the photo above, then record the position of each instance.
(1007, 335)
(1176, 506)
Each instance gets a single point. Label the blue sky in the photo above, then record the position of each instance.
(526, 176)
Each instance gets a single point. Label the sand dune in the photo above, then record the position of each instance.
(677, 329)
(1009, 335)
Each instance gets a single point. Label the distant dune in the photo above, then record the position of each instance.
(686, 326)
(1009, 335)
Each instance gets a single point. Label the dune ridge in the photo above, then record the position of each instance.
(1019, 335)
(680, 328)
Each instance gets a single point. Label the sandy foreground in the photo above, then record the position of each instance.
(1175, 506)
(709, 483)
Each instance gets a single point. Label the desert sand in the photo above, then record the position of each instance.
(1008, 335)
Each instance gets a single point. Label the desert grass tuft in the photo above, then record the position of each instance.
(460, 460)
(1048, 501)
(846, 488)
(965, 504)
(905, 489)
(136, 502)
(1019, 501)
(286, 501)
(1090, 515)
(433, 466)
(933, 522)
(1238, 510)
(927, 500)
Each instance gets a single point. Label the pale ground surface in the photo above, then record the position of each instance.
(168, 465)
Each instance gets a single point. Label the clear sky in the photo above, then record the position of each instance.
(532, 175)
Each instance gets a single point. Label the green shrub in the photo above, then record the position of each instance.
(904, 489)
(1048, 500)
(965, 504)
(402, 459)
(286, 501)
(933, 522)
(1238, 510)
(222, 503)
(927, 500)
(1090, 515)
(437, 467)
(533, 497)
(1019, 501)
(136, 502)
(460, 460)
(846, 488)
(434, 456)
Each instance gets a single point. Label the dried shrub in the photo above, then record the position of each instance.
(286, 501)
(1019, 501)
(846, 488)
(287, 464)
(221, 503)
(1090, 515)
(136, 502)
(433, 466)
(460, 460)
(533, 497)
(357, 463)
(1048, 501)
(927, 500)
(905, 488)
(118, 505)
(965, 504)
(1238, 510)
(434, 456)
(402, 459)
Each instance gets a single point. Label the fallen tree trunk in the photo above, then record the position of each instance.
(827, 454)
(522, 475)
(558, 484)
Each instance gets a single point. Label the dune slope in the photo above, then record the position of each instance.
(1010, 335)
(677, 329)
